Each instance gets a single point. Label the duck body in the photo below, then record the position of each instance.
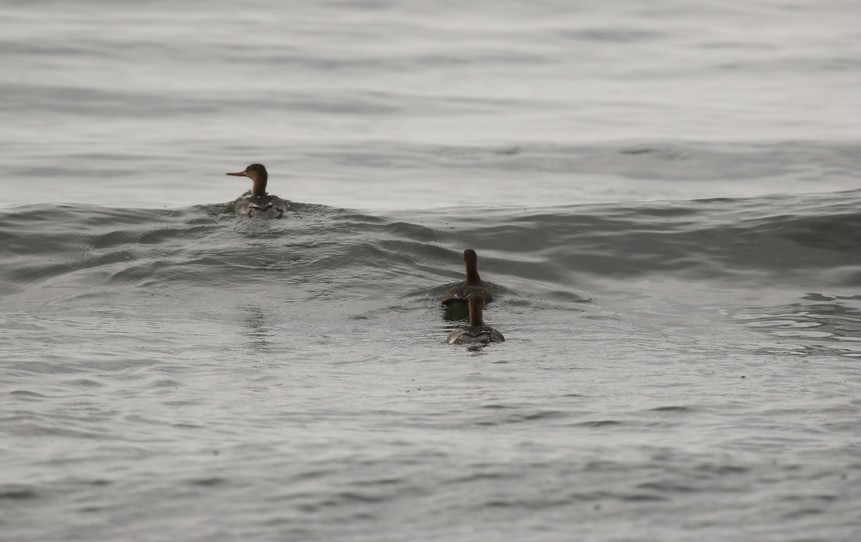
(257, 202)
(471, 287)
(477, 332)
(475, 335)
(461, 294)
(267, 206)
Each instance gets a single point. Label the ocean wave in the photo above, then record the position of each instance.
(815, 238)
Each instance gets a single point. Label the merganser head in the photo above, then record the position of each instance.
(470, 260)
(476, 309)
(258, 175)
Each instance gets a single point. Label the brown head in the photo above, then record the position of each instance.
(258, 175)
(476, 311)
(470, 260)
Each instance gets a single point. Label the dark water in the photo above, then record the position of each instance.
(664, 198)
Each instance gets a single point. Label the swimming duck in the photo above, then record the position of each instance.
(477, 331)
(471, 287)
(257, 202)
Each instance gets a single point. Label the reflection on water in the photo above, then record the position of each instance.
(819, 324)
(456, 312)
(257, 329)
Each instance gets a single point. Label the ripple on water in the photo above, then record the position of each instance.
(17, 493)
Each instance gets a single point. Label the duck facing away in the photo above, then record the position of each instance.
(477, 332)
(471, 287)
(257, 202)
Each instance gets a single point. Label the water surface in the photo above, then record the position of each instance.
(665, 202)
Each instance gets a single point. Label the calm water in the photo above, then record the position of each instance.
(664, 197)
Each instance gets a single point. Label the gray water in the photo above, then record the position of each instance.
(664, 198)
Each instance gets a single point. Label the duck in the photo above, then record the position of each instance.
(256, 202)
(471, 287)
(477, 332)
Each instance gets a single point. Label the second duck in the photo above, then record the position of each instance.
(471, 287)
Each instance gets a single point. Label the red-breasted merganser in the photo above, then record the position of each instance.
(477, 331)
(471, 287)
(257, 202)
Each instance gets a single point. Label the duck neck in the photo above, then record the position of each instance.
(475, 315)
(258, 189)
(472, 278)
